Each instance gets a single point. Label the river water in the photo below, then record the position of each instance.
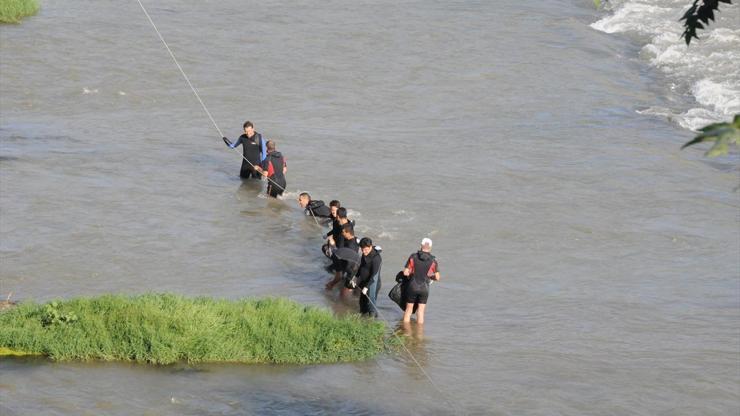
(588, 265)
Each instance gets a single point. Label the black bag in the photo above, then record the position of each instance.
(398, 292)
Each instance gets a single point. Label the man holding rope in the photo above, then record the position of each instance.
(274, 168)
(254, 151)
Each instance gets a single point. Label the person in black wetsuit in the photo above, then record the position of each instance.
(368, 278)
(336, 231)
(314, 208)
(254, 151)
(341, 267)
(420, 269)
(274, 168)
(334, 205)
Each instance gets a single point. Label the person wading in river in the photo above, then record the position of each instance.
(314, 207)
(254, 151)
(342, 268)
(275, 168)
(368, 278)
(421, 268)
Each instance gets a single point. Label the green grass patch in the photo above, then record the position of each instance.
(12, 11)
(166, 328)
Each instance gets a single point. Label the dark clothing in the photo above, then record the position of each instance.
(337, 233)
(339, 265)
(254, 152)
(248, 172)
(274, 191)
(422, 266)
(417, 296)
(369, 269)
(368, 275)
(273, 166)
(336, 230)
(318, 209)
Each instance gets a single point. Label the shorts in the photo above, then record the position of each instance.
(416, 295)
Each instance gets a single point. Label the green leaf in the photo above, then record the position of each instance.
(712, 126)
(722, 134)
(719, 148)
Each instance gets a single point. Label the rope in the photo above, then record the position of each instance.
(172, 55)
(202, 104)
(452, 405)
(442, 393)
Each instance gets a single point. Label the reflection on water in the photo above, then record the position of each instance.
(411, 330)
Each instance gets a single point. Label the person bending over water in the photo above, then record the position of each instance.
(336, 231)
(342, 268)
(421, 268)
(253, 148)
(314, 208)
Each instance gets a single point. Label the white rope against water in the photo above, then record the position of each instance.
(202, 104)
(180, 68)
(450, 403)
(172, 55)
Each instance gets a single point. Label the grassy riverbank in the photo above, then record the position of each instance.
(12, 11)
(165, 328)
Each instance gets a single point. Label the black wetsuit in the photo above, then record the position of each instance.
(342, 265)
(368, 275)
(273, 166)
(253, 150)
(423, 266)
(336, 230)
(316, 208)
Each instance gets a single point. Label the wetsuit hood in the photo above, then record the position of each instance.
(424, 256)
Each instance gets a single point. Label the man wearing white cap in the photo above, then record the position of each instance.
(421, 268)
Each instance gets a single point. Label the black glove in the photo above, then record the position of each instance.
(228, 143)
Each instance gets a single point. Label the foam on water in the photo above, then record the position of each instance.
(707, 70)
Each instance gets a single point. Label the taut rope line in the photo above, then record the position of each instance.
(450, 403)
(181, 71)
(174, 59)
(202, 104)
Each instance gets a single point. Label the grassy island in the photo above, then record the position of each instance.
(166, 328)
(12, 11)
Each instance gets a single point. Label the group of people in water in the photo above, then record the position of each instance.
(354, 262)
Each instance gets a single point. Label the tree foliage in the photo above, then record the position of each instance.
(699, 15)
(722, 134)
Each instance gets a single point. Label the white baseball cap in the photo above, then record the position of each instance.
(426, 242)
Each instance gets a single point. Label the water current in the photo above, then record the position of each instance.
(589, 267)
